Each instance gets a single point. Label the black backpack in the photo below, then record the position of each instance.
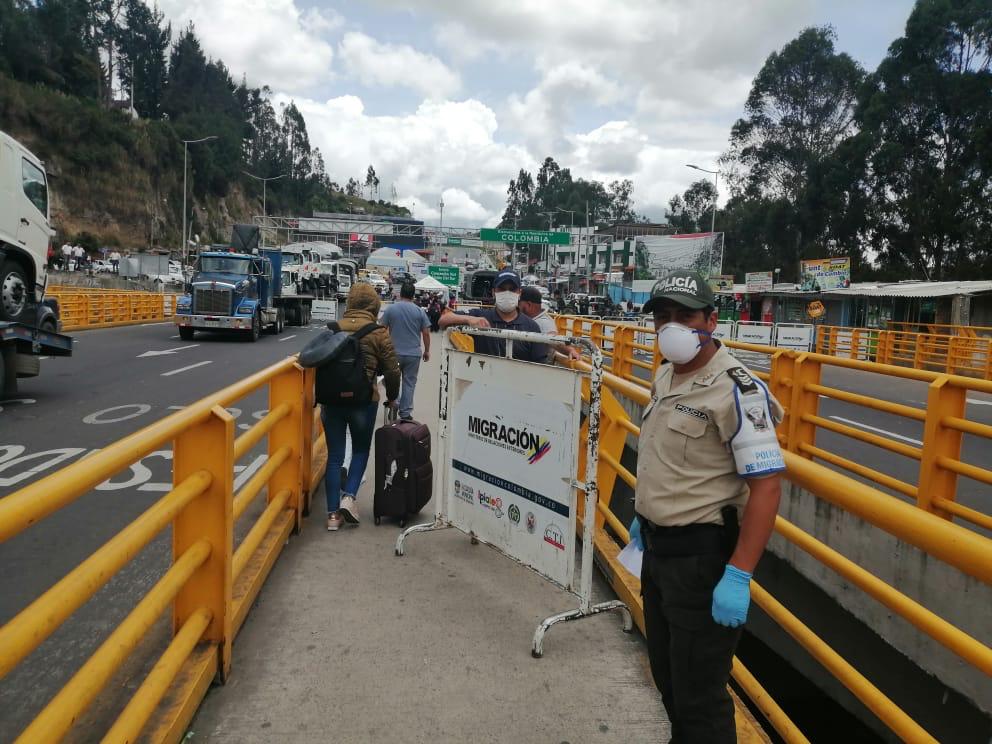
(341, 379)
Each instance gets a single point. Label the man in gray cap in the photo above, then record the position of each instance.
(701, 462)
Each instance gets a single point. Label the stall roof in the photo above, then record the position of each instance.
(909, 288)
(914, 289)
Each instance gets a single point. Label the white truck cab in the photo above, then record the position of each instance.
(25, 231)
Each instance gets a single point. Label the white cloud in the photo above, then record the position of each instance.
(269, 41)
(379, 64)
(442, 149)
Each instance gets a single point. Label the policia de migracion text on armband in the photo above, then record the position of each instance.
(707, 495)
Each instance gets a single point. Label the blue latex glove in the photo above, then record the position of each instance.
(731, 597)
(635, 533)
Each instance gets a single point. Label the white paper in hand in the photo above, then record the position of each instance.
(631, 558)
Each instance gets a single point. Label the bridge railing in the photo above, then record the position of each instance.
(795, 379)
(939, 538)
(212, 578)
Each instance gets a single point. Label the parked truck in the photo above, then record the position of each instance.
(242, 289)
(29, 322)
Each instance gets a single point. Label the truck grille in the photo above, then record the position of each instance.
(212, 301)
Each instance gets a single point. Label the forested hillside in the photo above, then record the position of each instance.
(67, 71)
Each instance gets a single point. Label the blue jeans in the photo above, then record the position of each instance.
(410, 367)
(360, 421)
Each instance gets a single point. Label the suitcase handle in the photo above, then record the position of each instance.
(390, 415)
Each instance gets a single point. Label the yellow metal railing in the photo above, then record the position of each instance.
(939, 538)
(211, 582)
(946, 329)
(958, 351)
(90, 308)
(795, 379)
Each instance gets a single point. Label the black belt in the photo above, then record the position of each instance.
(692, 539)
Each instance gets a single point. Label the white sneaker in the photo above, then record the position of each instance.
(349, 510)
(334, 520)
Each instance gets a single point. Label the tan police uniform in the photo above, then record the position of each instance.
(702, 439)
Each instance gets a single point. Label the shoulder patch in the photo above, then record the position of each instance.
(742, 379)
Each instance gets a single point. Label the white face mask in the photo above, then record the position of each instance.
(680, 344)
(507, 301)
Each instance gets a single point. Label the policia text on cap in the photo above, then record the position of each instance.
(707, 451)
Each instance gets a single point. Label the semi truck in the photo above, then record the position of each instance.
(29, 322)
(244, 289)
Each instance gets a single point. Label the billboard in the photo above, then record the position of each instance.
(722, 283)
(823, 274)
(662, 254)
(758, 281)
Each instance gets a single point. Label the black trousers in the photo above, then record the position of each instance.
(690, 653)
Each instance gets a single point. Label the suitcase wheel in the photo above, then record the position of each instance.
(378, 519)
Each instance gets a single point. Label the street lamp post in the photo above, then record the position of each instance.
(440, 228)
(264, 183)
(716, 177)
(547, 248)
(571, 228)
(184, 247)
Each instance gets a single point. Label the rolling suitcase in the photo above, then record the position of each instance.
(404, 474)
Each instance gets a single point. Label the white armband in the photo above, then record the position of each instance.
(754, 444)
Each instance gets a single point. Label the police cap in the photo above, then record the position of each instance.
(687, 288)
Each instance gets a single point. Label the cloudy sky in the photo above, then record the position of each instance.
(452, 97)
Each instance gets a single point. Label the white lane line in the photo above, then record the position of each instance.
(287, 338)
(172, 337)
(158, 322)
(184, 369)
(880, 431)
(974, 401)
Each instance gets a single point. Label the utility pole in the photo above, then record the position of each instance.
(716, 190)
(547, 248)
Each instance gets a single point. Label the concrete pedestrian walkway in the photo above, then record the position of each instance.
(348, 643)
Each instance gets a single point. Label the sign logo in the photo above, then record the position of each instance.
(493, 503)
(513, 512)
(554, 536)
(464, 492)
(511, 438)
(531, 522)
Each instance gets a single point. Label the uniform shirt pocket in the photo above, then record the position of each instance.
(682, 432)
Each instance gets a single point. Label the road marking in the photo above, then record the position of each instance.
(167, 351)
(133, 411)
(287, 338)
(970, 400)
(158, 322)
(880, 431)
(184, 369)
(172, 337)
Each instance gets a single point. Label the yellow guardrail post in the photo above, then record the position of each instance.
(943, 400)
(287, 387)
(803, 402)
(306, 466)
(209, 446)
(622, 336)
(780, 382)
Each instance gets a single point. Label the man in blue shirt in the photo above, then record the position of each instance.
(408, 324)
(504, 315)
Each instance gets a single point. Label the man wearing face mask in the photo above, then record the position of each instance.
(504, 315)
(708, 456)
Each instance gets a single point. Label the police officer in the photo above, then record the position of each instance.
(708, 456)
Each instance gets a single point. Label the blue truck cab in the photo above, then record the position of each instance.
(239, 290)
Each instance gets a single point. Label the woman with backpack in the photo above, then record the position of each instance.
(349, 398)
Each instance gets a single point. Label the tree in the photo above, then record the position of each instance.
(621, 205)
(142, 45)
(372, 181)
(800, 111)
(693, 210)
(927, 120)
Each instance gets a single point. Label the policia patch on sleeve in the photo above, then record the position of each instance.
(742, 379)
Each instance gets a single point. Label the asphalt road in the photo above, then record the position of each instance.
(120, 380)
(109, 388)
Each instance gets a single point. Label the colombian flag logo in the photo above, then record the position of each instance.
(536, 453)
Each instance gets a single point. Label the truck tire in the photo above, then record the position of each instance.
(15, 292)
(186, 333)
(256, 327)
(8, 372)
(280, 321)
